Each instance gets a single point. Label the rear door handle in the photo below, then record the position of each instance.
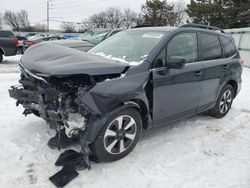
(198, 73)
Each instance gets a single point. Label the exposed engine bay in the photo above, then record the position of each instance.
(56, 99)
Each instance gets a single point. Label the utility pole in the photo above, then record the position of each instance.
(48, 8)
(47, 15)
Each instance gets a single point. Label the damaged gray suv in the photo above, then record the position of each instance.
(135, 80)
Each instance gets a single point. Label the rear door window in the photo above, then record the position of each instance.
(228, 46)
(210, 47)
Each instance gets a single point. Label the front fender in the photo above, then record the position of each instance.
(105, 99)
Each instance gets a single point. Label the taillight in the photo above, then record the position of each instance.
(30, 42)
(15, 42)
(242, 62)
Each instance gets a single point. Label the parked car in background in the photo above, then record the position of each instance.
(91, 32)
(75, 44)
(30, 34)
(138, 79)
(35, 40)
(8, 44)
(97, 37)
(34, 36)
(70, 36)
(86, 42)
(21, 39)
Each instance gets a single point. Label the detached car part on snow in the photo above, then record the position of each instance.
(132, 81)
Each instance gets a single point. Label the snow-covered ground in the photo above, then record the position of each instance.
(9, 64)
(198, 152)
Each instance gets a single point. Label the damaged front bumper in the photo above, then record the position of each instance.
(33, 103)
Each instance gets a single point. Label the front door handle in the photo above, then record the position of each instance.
(198, 73)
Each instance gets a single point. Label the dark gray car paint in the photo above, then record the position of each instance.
(104, 98)
(101, 101)
(176, 91)
(6, 45)
(66, 61)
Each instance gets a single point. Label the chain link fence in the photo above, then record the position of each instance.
(242, 39)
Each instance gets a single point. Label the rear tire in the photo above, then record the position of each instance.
(118, 137)
(224, 102)
(1, 57)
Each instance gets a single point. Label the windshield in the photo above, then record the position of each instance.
(131, 46)
(93, 37)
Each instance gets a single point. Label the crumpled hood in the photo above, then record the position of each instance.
(55, 60)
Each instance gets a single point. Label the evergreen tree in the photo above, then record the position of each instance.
(220, 13)
(158, 13)
(237, 13)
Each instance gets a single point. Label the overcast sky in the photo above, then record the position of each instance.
(67, 10)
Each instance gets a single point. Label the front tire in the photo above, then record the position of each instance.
(118, 137)
(224, 102)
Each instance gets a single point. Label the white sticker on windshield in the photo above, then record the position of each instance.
(152, 35)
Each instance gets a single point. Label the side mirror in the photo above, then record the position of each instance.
(175, 62)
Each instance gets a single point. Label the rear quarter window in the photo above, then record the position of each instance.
(228, 46)
(8, 34)
(210, 47)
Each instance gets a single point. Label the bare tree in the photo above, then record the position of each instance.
(18, 21)
(85, 25)
(69, 27)
(130, 17)
(180, 9)
(39, 28)
(99, 20)
(23, 20)
(113, 18)
(12, 20)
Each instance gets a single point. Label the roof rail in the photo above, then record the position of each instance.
(202, 27)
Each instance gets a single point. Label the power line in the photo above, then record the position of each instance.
(71, 3)
(79, 3)
(67, 3)
(37, 5)
(69, 12)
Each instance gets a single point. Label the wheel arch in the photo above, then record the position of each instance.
(234, 84)
(94, 129)
(139, 105)
(2, 51)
